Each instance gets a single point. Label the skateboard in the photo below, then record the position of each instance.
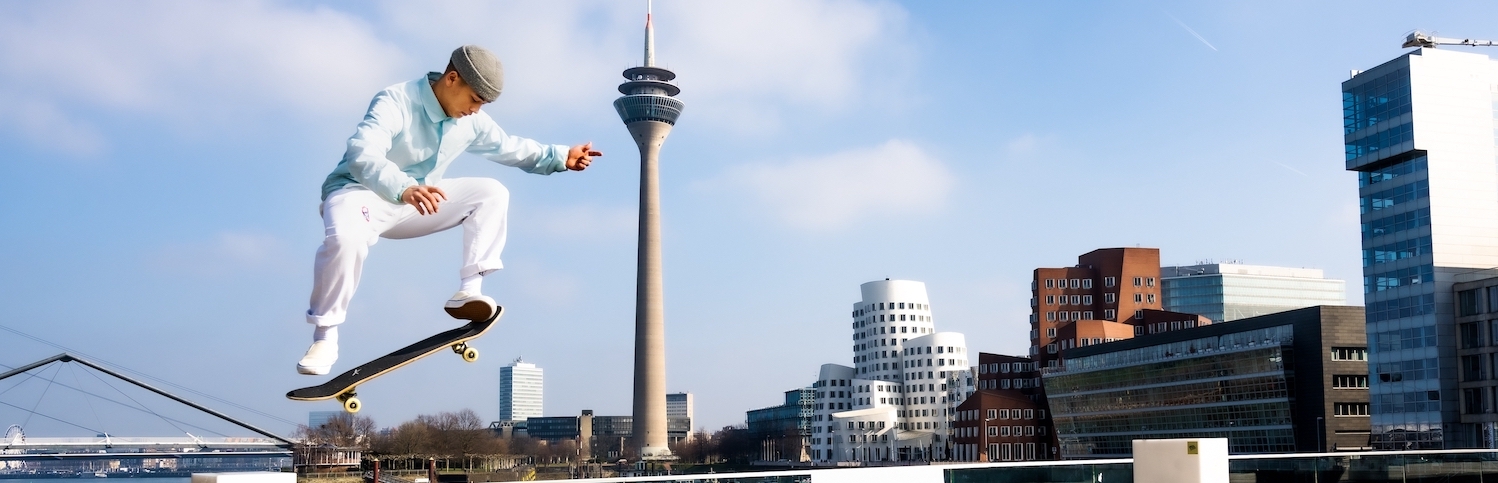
(342, 387)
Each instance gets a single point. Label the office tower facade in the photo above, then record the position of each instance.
(520, 391)
(1292, 381)
(1109, 284)
(1231, 291)
(1477, 328)
(649, 109)
(1419, 131)
(896, 401)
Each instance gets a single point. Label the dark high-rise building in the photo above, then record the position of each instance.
(1294, 381)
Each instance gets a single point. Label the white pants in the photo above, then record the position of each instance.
(354, 218)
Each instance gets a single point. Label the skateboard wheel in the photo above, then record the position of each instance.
(352, 405)
(470, 354)
(459, 348)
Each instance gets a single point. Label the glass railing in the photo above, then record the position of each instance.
(1446, 466)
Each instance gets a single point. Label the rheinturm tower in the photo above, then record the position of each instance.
(649, 110)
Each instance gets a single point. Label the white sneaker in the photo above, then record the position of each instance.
(473, 307)
(319, 359)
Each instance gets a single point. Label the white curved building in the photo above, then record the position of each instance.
(896, 401)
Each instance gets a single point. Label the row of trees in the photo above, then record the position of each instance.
(462, 435)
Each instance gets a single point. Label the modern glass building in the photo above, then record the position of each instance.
(1419, 131)
(519, 391)
(1228, 291)
(1285, 382)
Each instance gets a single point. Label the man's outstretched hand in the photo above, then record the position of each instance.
(424, 198)
(580, 156)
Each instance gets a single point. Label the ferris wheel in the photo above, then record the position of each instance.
(13, 435)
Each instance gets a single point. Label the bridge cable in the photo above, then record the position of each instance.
(28, 418)
(74, 373)
(148, 376)
(143, 406)
(120, 404)
(39, 398)
(116, 402)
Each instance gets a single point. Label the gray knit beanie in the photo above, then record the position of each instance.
(481, 70)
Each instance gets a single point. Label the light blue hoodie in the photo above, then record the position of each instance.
(406, 139)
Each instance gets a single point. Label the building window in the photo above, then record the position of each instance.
(1086, 300)
(1087, 315)
(1138, 330)
(1086, 283)
(1109, 281)
(1003, 431)
(1138, 281)
(1353, 381)
(1149, 281)
(1349, 353)
(1350, 409)
(1138, 298)
(993, 430)
(1050, 300)
(1138, 315)
(1109, 314)
(1110, 297)
(1051, 333)
(1150, 298)
(1076, 300)
(1076, 283)
(1471, 333)
(1050, 283)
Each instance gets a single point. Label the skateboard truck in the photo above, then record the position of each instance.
(350, 402)
(469, 354)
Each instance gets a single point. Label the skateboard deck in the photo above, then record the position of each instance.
(342, 386)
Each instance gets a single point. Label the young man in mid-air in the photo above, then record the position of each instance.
(390, 185)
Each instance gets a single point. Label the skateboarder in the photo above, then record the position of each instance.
(390, 185)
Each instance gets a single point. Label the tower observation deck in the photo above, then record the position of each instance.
(649, 110)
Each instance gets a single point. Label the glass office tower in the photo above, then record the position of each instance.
(1226, 292)
(1419, 130)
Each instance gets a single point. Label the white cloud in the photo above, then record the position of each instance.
(741, 64)
(187, 61)
(225, 253)
(830, 192)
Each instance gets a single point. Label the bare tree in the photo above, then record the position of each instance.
(343, 431)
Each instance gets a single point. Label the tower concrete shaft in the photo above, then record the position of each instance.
(650, 319)
(649, 110)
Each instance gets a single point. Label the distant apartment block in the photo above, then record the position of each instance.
(1294, 381)
(520, 386)
(1419, 132)
(1229, 291)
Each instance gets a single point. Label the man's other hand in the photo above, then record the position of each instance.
(424, 198)
(580, 156)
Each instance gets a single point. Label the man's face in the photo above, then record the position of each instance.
(455, 96)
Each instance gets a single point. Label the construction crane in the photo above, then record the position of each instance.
(1422, 39)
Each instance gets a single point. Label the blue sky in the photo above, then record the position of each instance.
(165, 160)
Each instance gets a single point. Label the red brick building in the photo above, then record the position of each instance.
(1007, 417)
(1109, 284)
(1002, 425)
